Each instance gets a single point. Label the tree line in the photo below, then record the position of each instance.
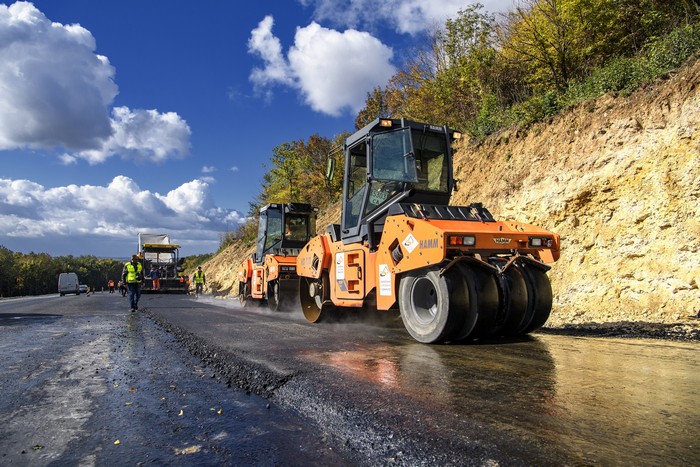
(481, 73)
(37, 273)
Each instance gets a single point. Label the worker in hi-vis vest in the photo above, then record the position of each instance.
(132, 275)
(199, 281)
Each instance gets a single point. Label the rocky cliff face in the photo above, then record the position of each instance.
(619, 179)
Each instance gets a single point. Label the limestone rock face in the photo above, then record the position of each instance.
(618, 178)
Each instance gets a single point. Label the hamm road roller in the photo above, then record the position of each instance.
(270, 274)
(454, 273)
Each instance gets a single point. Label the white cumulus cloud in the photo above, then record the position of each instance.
(56, 93)
(114, 213)
(139, 134)
(332, 70)
(54, 90)
(404, 16)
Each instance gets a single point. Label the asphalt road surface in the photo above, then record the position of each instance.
(188, 381)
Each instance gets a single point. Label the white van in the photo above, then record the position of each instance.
(68, 283)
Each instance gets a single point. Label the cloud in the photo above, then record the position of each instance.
(332, 70)
(143, 134)
(262, 42)
(117, 211)
(234, 169)
(207, 169)
(404, 16)
(56, 92)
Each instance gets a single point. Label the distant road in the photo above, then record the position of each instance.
(365, 393)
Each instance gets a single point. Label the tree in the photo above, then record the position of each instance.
(7, 272)
(313, 155)
(375, 107)
(285, 171)
(539, 33)
(464, 54)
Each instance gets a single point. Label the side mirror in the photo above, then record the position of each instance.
(330, 168)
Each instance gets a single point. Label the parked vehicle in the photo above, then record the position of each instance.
(68, 283)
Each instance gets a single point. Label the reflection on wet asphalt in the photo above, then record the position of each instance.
(584, 400)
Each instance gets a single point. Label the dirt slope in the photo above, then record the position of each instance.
(619, 179)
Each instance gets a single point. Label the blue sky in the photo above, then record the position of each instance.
(127, 116)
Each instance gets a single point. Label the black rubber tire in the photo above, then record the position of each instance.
(244, 296)
(427, 312)
(540, 297)
(273, 295)
(515, 307)
(482, 301)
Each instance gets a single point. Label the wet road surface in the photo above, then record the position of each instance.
(351, 392)
(84, 382)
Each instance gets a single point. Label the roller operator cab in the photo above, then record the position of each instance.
(453, 272)
(269, 276)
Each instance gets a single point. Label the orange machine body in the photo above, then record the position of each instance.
(275, 267)
(356, 273)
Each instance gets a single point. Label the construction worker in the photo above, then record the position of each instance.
(199, 281)
(132, 275)
(155, 275)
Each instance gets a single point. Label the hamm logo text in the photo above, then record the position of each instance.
(431, 243)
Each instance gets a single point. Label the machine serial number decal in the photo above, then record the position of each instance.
(502, 240)
(384, 280)
(410, 243)
(430, 243)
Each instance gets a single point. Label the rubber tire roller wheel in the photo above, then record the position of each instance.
(426, 309)
(273, 295)
(540, 297)
(481, 302)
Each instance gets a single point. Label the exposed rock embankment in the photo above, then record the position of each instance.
(619, 179)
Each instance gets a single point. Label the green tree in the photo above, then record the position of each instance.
(313, 156)
(464, 54)
(7, 272)
(285, 171)
(375, 107)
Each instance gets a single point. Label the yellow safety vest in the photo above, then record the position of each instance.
(199, 277)
(132, 272)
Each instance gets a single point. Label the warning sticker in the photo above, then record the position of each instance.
(340, 265)
(340, 271)
(410, 243)
(384, 280)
